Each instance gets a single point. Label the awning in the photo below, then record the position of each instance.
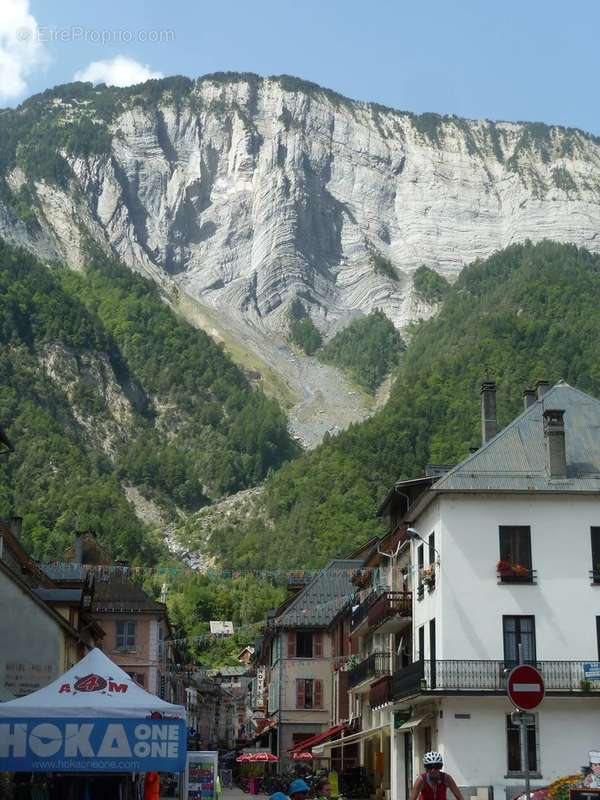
(353, 738)
(413, 723)
(307, 744)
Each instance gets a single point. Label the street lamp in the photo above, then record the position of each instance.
(414, 534)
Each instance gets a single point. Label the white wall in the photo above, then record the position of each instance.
(468, 603)
(430, 606)
(30, 650)
(475, 751)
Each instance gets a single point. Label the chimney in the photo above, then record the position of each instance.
(15, 526)
(529, 397)
(554, 434)
(541, 387)
(489, 423)
(78, 550)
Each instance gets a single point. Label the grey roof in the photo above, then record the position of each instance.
(59, 595)
(325, 595)
(515, 459)
(228, 672)
(65, 572)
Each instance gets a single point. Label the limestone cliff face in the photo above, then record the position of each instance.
(248, 193)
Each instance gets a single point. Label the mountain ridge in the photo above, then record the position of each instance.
(249, 193)
(239, 196)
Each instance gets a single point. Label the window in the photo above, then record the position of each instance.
(515, 553)
(125, 635)
(595, 532)
(304, 645)
(138, 677)
(516, 631)
(421, 586)
(515, 764)
(431, 542)
(421, 643)
(309, 693)
(598, 635)
(427, 739)
(432, 653)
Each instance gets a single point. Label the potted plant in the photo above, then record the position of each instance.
(508, 570)
(585, 685)
(428, 576)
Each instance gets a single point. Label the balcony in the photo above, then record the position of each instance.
(390, 612)
(374, 666)
(360, 614)
(451, 677)
(380, 692)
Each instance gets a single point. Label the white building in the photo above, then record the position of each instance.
(511, 555)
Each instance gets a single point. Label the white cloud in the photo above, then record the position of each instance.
(21, 50)
(117, 71)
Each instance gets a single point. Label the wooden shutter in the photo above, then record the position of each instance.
(318, 694)
(299, 692)
(291, 645)
(343, 704)
(317, 644)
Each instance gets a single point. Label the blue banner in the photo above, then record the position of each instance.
(92, 745)
(591, 670)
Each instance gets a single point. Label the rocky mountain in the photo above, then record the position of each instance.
(240, 196)
(246, 193)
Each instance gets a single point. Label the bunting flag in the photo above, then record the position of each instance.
(210, 572)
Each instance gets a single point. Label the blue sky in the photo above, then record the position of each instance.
(527, 60)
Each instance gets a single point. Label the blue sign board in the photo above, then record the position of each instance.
(92, 745)
(591, 670)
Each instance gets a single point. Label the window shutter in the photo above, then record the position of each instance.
(595, 532)
(318, 687)
(299, 692)
(318, 644)
(343, 704)
(291, 645)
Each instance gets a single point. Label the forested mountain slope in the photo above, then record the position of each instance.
(528, 312)
(103, 388)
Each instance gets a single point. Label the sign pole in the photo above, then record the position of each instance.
(524, 742)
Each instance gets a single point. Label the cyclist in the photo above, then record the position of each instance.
(323, 789)
(433, 783)
(298, 789)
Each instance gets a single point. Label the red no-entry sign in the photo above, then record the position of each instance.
(525, 687)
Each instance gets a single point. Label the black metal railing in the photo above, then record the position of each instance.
(485, 676)
(374, 666)
(408, 680)
(360, 612)
(510, 576)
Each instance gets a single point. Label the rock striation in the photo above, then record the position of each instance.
(246, 193)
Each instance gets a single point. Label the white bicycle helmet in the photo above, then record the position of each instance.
(432, 757)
